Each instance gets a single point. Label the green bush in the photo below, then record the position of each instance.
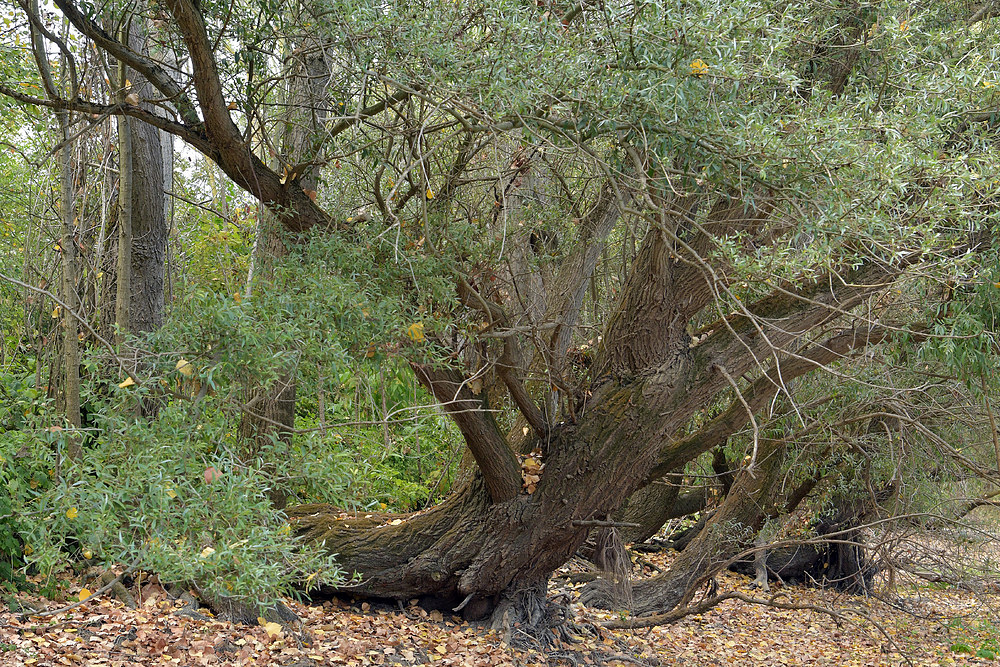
(25, 474)
(170, 496)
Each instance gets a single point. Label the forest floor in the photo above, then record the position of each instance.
(920, 625)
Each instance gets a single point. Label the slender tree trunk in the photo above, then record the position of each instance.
(123, 294)
(70, 273)
(68, 248)
(269, 412)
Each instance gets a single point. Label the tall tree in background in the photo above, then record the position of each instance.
(269, 412)
(69, 232)
(138, 293)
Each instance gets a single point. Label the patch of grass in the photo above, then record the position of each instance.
(979, 638)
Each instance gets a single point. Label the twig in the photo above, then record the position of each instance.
(579, 523)
(80, 318)
(709, 603)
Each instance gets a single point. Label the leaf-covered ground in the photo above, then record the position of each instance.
(922, 626)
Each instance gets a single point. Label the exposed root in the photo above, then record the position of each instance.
(529, 620)
(244, 612)
(108, 578)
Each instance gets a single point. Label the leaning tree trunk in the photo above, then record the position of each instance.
(488, 550)
(728, 532)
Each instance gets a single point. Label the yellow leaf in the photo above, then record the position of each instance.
(127, 383)
(237, 298)
(416, 332)
(441, 648)
(72, 513)
(84, 594)
(430, 193)
(170, 492)
(185, 368)
(88, 554)
(56, 312)
(273, 629)
(699, 67)
(207, 551)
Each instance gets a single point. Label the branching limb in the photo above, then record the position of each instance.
(496, 460)
(146, 66)
(708, 603)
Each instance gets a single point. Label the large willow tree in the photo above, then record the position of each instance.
(611, 232)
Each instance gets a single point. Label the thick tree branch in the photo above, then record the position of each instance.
(762, 391)
(146, 66)
(519, 393)
(293, 207)
(575, 271)
(194, 138)
(496, 460)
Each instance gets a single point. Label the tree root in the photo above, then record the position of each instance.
(528, 619)
(710, 602)
(117, 589)
(230, 609)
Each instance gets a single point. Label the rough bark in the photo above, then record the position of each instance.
(727, 533)
(138, 229)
